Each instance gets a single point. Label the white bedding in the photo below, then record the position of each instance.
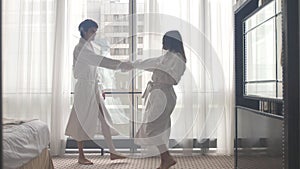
(23, 142)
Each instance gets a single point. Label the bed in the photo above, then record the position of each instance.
(25, 145)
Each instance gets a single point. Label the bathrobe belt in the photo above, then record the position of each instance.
(153, 85)
(88, 80)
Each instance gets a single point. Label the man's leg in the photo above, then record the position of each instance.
(81, 158)
(108, 139)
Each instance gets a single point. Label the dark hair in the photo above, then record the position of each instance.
(85, 25)
(172, 41)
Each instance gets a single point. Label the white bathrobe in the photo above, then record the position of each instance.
(160, 98)
(88, 103)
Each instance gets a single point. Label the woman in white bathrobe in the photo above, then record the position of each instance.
(88, 104)
(160, 96)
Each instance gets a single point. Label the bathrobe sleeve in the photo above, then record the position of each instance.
(170, 63)
(91, 58)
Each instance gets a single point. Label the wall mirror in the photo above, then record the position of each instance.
(262, 32)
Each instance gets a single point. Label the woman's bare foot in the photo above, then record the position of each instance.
(115, 156)
(84, 161)
(167, 163)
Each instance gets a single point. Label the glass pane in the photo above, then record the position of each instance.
(278, 6)
(262, 15)
(261, 53)
(280, 94)
(112, 41)
(279, 46)
(263, 50)
(140, 82)
(197, 102)
(261, 89)
(120, 112)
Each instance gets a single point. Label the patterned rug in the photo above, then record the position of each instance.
(69, 161)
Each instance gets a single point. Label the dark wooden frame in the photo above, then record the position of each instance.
(291, 73)
(291, 83)
(239, 14)
(290, 100)
(1, 149)
(246, 9)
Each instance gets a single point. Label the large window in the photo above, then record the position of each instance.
(40, 37)
(123, 90)
(135, 30)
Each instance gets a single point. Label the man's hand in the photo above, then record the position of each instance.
(126, 66)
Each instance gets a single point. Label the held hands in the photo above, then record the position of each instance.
(126, 66)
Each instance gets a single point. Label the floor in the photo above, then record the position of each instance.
(69, 161)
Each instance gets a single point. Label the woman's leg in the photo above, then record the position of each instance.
(166, 159)
(81, 158)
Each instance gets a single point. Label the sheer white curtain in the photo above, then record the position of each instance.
(61, 80)
(205, 103)
(28, 35)
(221, 37)
(35, 65)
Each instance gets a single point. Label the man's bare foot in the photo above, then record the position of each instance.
(166, 164)
(84, 161)
(115, 156)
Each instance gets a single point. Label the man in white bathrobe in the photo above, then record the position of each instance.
(88, 104)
